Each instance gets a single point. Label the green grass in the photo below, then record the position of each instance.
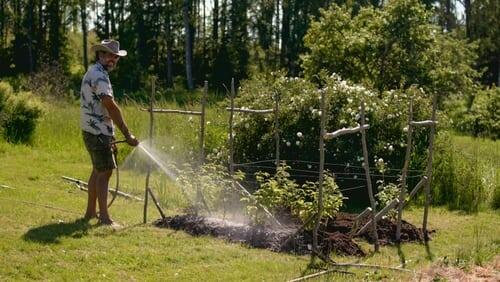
(42, 243)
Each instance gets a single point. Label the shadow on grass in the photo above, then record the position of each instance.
(401, 254)
(51, 233)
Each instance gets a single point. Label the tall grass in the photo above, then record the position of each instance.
(465, 175)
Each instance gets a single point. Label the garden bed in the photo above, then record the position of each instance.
(332, 237)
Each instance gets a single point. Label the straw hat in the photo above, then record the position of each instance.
(110, 46)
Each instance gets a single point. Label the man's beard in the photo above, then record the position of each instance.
(109, 66)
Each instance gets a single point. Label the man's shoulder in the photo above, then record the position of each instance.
(96, 71)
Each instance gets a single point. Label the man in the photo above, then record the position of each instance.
(99, 113)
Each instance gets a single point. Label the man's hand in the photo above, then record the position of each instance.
(131, 140)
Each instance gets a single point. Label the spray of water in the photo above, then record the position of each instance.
(149, 152)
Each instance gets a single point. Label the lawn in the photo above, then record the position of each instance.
(42, 239)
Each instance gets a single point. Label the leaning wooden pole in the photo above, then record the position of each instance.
(277, 127)
(429, 168)
(367, 175)
(151, 123)
(321, 172)
(402, 192)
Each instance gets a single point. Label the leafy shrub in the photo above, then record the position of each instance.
(50, 82)
(457, 179)
(482, 118)
(387, 193)
(18, 114)
(299, 120)
(280, 193)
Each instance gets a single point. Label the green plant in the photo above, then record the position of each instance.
(387, 193)
(457, 179)
(280, 193)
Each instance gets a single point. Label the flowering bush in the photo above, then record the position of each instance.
(299, 122)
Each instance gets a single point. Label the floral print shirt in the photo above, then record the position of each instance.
(94, 117)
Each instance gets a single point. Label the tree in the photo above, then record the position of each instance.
(392, 48)
(188, 35)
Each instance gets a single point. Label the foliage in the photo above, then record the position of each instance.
(481, 118)
(280, 193)
(389, 48)
(19, 113)
(209, 184)
(387, 193)
(457, 180)
(299, 120)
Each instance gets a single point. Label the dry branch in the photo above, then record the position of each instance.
(82, 184)
(344, 131)
(169, 111)
(250, 111)
(424, 123)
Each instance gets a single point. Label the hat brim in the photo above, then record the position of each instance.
(95, 48)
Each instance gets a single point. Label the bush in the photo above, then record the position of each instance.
(482, 118)
(281, 194)
(457, 179)
(299, 121)
(18, 114)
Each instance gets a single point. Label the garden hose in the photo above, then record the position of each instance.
(115, 157)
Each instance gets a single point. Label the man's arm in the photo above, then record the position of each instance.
(117, 117)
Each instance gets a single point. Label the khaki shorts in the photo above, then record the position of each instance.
(100, 150)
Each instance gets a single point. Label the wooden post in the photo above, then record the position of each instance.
(231, 147)
(321, 168)
(429, 168)
(151, 120)
(202, 123)
(277, 127)
(402, 192)
(367, 175)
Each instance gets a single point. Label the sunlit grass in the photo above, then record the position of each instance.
(40, 240)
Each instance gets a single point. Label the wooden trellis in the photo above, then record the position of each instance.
(201, 114)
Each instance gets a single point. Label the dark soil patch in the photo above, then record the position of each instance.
(386, 229)
(332, 237)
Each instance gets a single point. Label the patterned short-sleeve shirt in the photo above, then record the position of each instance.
(94, 117)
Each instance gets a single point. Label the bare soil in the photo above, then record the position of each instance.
(333, 236)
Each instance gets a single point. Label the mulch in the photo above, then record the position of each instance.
(333, 236)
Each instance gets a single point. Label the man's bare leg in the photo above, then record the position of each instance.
(92, 196)
(102, 195)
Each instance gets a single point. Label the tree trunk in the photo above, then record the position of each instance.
(467, 8)
(285, 33)
(277, 51)
(215, 26)
(189, 45)
(106, 18)
(31, 7)
(169, 42)
(2, 23)
(83, 15)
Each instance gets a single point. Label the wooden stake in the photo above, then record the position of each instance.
(157, 204)
(277, 127)
(202, 122)
(231, 146)
(429, 168)
(321, 172)
(402, 192)
(151, 120)
(367, 175)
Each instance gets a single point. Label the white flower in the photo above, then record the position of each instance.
(355, 177)
(391, 148)
(247, 125)
(297, 143)
(380, 161)
(258, 146)
(208, 123)
(405, 129)
(309, 166)
(190, 119)
(172, 147)
(288, 144)
(299, 134)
